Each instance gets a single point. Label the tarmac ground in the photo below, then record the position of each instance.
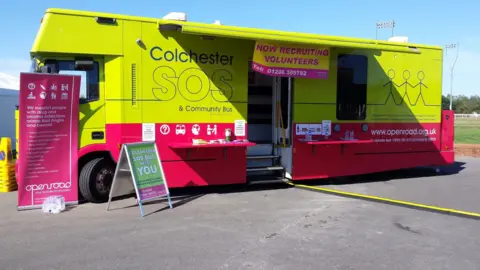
(261, 227)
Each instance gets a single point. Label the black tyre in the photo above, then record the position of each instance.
(96, 179)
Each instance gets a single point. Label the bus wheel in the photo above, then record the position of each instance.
(96, 179)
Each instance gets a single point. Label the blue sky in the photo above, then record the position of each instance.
(423, 21)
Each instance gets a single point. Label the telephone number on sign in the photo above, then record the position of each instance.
(288, 72)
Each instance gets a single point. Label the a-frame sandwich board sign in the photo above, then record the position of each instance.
(139, 170)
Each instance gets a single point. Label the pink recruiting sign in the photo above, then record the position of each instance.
(288, 60)
(48, 138)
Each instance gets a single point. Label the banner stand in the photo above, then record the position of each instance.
(48, 139)
(139, 170)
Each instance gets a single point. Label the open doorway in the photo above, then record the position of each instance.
(269, 125)
(260, 113)
(283, 125)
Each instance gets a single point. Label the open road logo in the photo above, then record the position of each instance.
(50, 186)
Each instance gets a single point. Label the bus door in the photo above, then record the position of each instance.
(282, 107)
(283, 121)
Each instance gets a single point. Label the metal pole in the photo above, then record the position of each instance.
(451, 46)
(393, 28)
(451, 89)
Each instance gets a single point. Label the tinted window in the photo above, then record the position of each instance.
(89, 89)
(352, 87)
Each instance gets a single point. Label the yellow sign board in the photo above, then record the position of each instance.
(5, 151)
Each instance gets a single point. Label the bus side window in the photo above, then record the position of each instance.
(352, 87)
(89, 90)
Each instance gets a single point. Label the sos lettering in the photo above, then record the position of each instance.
(193, 84)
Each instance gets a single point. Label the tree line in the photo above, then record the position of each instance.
(462, 104)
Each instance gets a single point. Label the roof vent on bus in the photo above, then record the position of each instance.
(176, 16)
(400, 39)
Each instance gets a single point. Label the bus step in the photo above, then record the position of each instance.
(262, 157)
(260, 179)
(268, 168)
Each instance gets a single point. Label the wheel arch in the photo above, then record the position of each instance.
(91, 152)
(93, 155)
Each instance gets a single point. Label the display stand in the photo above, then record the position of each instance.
(224, 146)
(139, 170)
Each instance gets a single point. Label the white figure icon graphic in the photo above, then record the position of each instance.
(180, 129)
(211, 130)
(64, 96)
(196, 129)
(53, 87)
(43, 95)
(53, 96)
(64, 87)
(31, 96)
(31, 86)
